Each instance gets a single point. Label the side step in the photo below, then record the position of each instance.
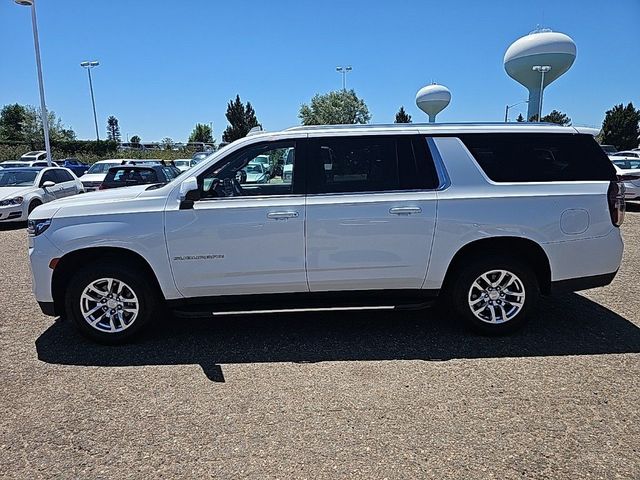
(209, 311)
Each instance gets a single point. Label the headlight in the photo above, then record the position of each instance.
(11, 201)
(36, 227)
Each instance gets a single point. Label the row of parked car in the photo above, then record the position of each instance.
(627, 164)
(30, 181)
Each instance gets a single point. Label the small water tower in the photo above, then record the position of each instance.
(432, 99)
(536, 60)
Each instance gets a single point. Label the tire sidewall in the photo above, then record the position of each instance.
(146, 300)
(468, 274)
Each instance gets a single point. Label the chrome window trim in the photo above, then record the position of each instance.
(441, 170)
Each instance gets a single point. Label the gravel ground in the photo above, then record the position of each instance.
(364, 395)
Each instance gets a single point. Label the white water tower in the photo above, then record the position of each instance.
(432, 99)
(536, 60)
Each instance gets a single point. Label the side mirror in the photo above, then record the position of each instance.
(189, 193)
(48, 184)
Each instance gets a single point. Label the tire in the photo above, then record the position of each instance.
(125, 315)
(502, 306)
(32, 205)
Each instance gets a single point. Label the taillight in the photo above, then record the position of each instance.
(615, 199)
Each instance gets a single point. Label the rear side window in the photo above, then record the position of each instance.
(369, 164)
(63, 176)
(540, 157)
(138, 176)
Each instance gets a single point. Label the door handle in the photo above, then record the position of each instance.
(404, 210)
(282, 215)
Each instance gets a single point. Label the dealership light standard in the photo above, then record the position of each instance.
(89, 66)
(43, 106)
(506, 110)
(542, 69)
(344, 71)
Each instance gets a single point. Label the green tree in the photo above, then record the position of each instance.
(335, 108)
(113, 129)
(201, 133)
(241, 120)
(620, 127)
(167, 143)
(12, 119)
(557, 117)
(402, 116)
(520, 118)
(135, 140)
(33, 130)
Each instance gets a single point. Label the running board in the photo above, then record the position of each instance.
(209, 313)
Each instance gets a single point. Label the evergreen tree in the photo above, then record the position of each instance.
(135, 140)
(12, 120)
(241, 120)
(557, 117)
(113, 129)
(402, 116)
(620, 127)
(520, 118)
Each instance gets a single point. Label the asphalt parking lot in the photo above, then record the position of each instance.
(325, 395)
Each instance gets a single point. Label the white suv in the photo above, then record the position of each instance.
(484, 216)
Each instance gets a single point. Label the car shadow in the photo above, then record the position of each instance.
(4, 227)
(632, 206)
(566, 325)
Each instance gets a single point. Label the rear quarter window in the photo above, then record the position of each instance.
(547, 157)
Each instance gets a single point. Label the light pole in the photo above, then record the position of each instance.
(344, 70)
(542, 69)
(89, 66)
(43, 105)
(506, 110)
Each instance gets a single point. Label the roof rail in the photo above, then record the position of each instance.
(410, 125)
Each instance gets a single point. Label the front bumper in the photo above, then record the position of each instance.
(631, 191)
(13, 213)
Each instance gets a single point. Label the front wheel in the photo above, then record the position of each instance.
(110, 303)
(495, 295)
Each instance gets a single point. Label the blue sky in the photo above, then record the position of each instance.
(168, 64)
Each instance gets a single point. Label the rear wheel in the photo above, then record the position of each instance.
(495, 295)
(110, 303)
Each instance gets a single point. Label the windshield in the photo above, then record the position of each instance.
(17, 178)
(100, 167)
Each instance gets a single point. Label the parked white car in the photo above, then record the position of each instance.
(183, 164)
(96, 173)
(26, 163)
(34, 156)
(255, 173)
(628, 171)
(625, 154)
(23, 189)
(482, 217)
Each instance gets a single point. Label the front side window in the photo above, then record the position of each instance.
(254, 171)
(370, 164)
(49, 176)
(539, 157)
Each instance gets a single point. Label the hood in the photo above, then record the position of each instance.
(254, 176)
(10, 192)
(91, 201)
